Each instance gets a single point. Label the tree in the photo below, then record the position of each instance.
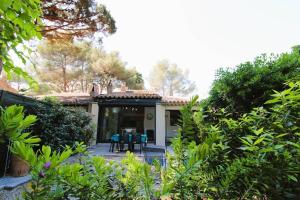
(83, 65)
(107, 68)
(57, 64)
(169, 79)
(19, 22)
(74, 66)
(134, 80)
(251, 83)
(75, 18)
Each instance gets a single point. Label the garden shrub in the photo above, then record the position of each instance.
(250, 84)
(58, 126)
(256, 156)
(53, 177)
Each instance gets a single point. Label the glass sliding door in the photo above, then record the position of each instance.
(114, 119)
(109, 123)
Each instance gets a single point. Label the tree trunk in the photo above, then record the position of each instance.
(82, 85)
(82, 81)
(64, 79)
(64, 70)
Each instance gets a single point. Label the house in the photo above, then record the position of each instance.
(138, 110)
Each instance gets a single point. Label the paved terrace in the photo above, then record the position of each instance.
(102, 149)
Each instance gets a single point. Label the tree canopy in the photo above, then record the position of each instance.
(67, 66)
(57, 60)
(109, 69)
(169, 79)
(75, 18)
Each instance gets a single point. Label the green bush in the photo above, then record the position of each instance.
(53, 177)
(58, 126)
(256, 156)
(250, 84)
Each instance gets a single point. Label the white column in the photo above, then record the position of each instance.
(160, 125)
(94, 110)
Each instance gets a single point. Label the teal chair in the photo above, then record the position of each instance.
(126, 138)
(114, 140)
(140, 139)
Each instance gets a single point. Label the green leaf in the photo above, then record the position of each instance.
(259, 140)
(281, 135)
(5, 4)
(278, 146)
(293, 178)
(258, 132)
(276, 100)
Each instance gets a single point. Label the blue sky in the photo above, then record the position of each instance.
(201, 36)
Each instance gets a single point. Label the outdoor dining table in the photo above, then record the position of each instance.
(128, 138)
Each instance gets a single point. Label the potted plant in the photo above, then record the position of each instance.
(21, 153)
(13, 124)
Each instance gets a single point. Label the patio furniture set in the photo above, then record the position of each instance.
(119, 141)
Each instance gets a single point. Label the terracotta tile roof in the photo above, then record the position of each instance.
(5, 86)
(84, 98)
(174, 101)
(130, 94)
(70, 98)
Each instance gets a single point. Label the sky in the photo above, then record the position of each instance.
(201, 35)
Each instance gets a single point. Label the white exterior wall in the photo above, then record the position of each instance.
(173, 107)
(160, 125)
(171, 130)
(149, 124)
(94, 110)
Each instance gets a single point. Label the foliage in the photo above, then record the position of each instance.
(250, 84)
(107, 68)
(137, 180)
(169, 79)
(13, 123)
(187, 125)
(133, 79)
(66, 66)
(75, 18)
(254, 156)
(13, 127)
(57, 64)
(53, 177)
(20, 20)
(58, 126)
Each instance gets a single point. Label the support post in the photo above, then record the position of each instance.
(160, 125)
(94, 110)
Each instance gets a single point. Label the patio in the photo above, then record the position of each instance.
(102, 149)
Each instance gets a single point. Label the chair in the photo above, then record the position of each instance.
(140, 139)
(115, 139)
(126, 139)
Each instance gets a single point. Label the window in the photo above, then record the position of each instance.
(174, 117)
